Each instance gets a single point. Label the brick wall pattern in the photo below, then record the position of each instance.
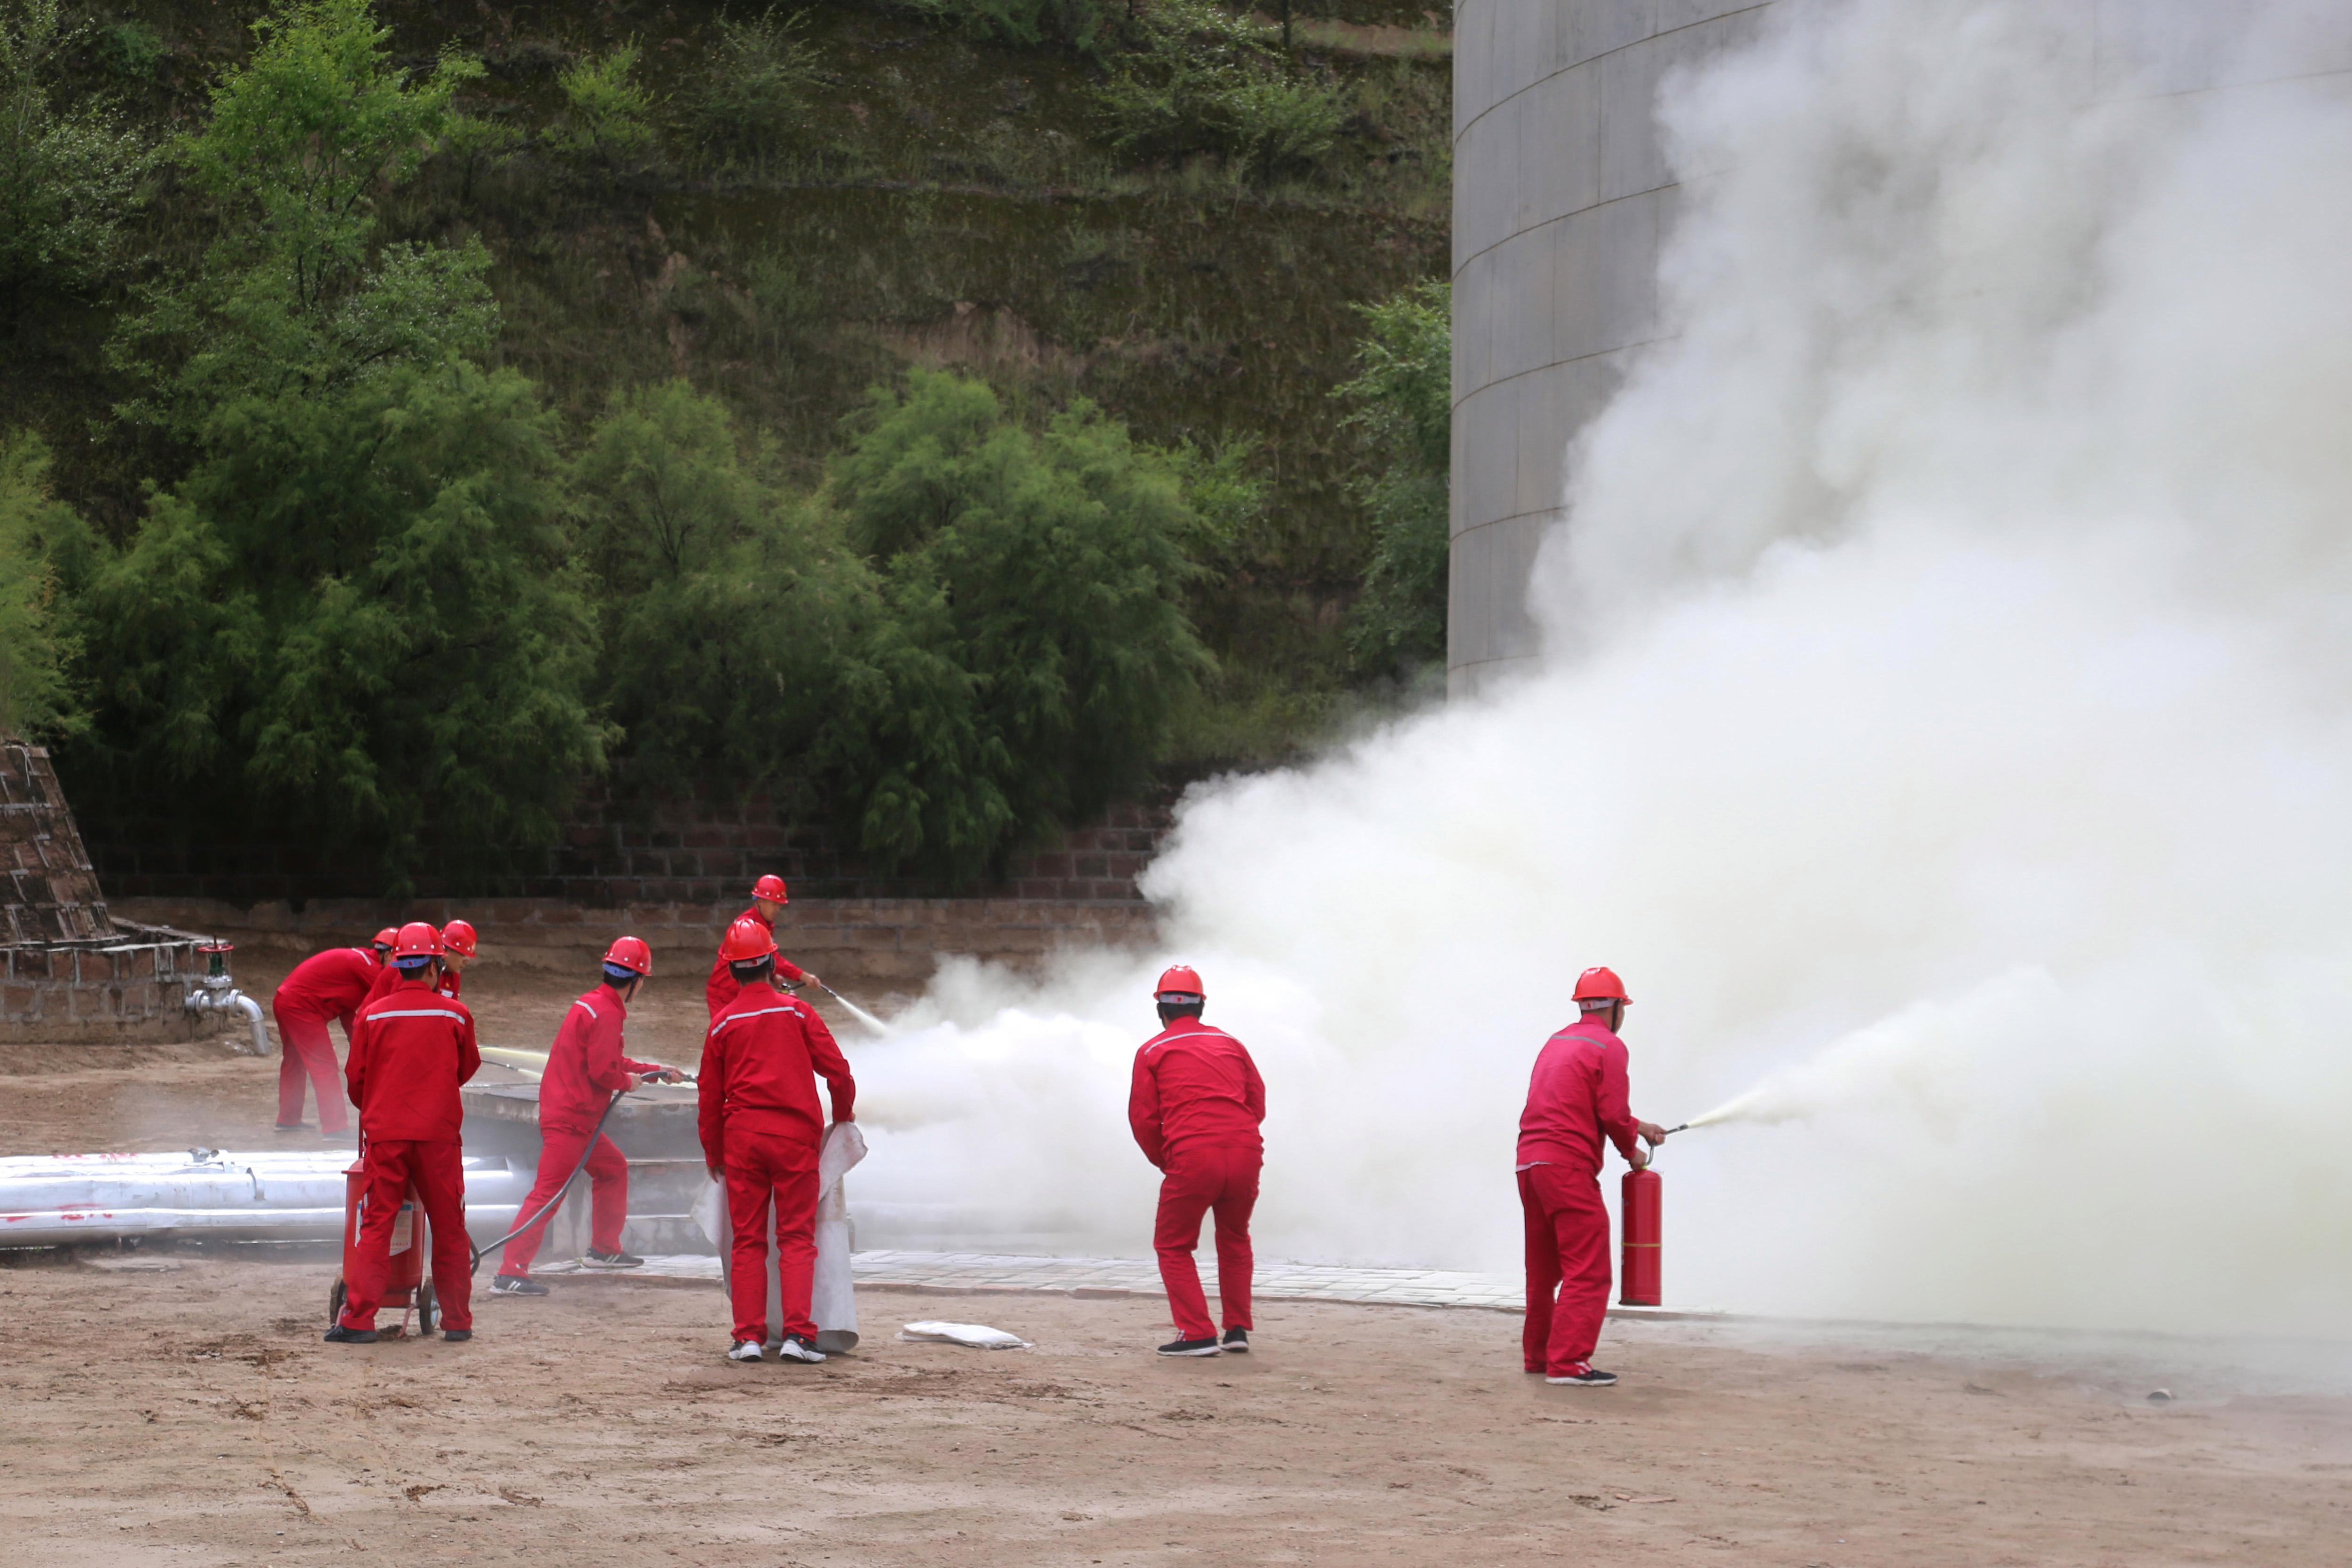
(51, 891)
(132, 987)
(689, 850)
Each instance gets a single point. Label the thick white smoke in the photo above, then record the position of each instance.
(1947, 730)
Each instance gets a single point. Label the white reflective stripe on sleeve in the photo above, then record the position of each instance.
(423, 1013)
(581, 1003)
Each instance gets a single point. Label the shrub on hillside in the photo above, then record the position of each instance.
(1206, 81)
(1403, 393)
(69, 176)
(1089, 26)
(755, 98)
(607, 121)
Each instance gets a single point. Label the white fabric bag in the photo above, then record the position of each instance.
(832, 1300)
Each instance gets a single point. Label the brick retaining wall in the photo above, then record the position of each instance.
(892, 942)
(693, 849)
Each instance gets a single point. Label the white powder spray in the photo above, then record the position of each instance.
(1947, 730)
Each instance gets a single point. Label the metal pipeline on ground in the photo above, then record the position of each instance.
(273, 1195)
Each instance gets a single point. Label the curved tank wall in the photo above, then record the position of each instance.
(1562, 200)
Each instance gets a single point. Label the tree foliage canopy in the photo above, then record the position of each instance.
(1403, 405)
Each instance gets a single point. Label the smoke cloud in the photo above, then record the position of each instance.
(1946, 728)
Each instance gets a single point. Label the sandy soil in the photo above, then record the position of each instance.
(178, 1407)
(192, 1417)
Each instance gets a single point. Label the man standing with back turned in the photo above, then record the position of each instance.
(411, 1048)
(1577, 1096)
(761, 1131)
(1195, 1106)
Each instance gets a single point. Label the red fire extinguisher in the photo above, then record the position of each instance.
(1640, 1214)
(404, 1283)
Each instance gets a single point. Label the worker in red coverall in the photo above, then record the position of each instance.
(330, 985)
(1576, 1097)
(585, 1068)
(458, 941)
(1195, 1106)
(410, 1050)
(768, 901)
(761, 1129)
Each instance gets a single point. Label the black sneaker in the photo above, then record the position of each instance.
(799, 1347)
(1236, 1341)
(516, 1285)
(595, 1259)
(1583, 1375)
(1191, 1347)
(339, 1335)
(456, 1336)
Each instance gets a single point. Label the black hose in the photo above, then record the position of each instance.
(547, 1210)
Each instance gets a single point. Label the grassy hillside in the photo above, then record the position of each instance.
(913, 193)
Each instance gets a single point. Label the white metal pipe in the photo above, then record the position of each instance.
(46, 1201)
(207, 999)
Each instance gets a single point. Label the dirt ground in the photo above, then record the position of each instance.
(177, 1407)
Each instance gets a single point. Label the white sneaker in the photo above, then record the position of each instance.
(795, 1348)
(744, 1350)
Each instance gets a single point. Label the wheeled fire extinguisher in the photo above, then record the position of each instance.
(1639, 1211)
(404, 1284)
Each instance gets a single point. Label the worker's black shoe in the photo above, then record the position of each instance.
(339, 1335)
(291, 1126)
(1191, 1347)
(799, 1347)
(516, 1285)
(1236, 1341)
(595, 1259)
(456, 1336)
(1584, 1374)
(744, 1350)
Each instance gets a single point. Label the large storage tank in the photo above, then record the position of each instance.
(1562, 198)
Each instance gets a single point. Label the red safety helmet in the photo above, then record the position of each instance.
(417, 939)
(1181, 984)
(746, 940)
(771, 887)
(457, 937)
(387, 937)
(1601, 986)
(630, 953)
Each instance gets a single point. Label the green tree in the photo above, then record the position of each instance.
(68, 179)
(358, 623)
(1402, 394)
(295, 297)
(1048, 569)
(730, 608)
(34, 698)
(755, 97)
(357, 619)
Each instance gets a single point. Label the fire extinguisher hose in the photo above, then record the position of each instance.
(547, 1210)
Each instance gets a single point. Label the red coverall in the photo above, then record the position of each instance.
(410, 1050)
(762, 1127)
(1195, 1106)
(584, 1068)
(721, 989)
(1576, 1094)
(330, 985)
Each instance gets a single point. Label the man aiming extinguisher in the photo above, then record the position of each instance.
(586, 1066)
(1576, 1097)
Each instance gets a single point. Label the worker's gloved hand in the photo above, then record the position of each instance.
(716, 1174)
(629, 1082)
(1641, 1159)
(1651, 1131)
(808, 979)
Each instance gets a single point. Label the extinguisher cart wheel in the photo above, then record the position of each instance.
(335, 1298)
(428, 1309)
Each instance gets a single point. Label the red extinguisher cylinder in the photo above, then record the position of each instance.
(1641, 1214)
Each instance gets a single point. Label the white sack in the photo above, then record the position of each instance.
(832, 1303)
(979, 1336)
